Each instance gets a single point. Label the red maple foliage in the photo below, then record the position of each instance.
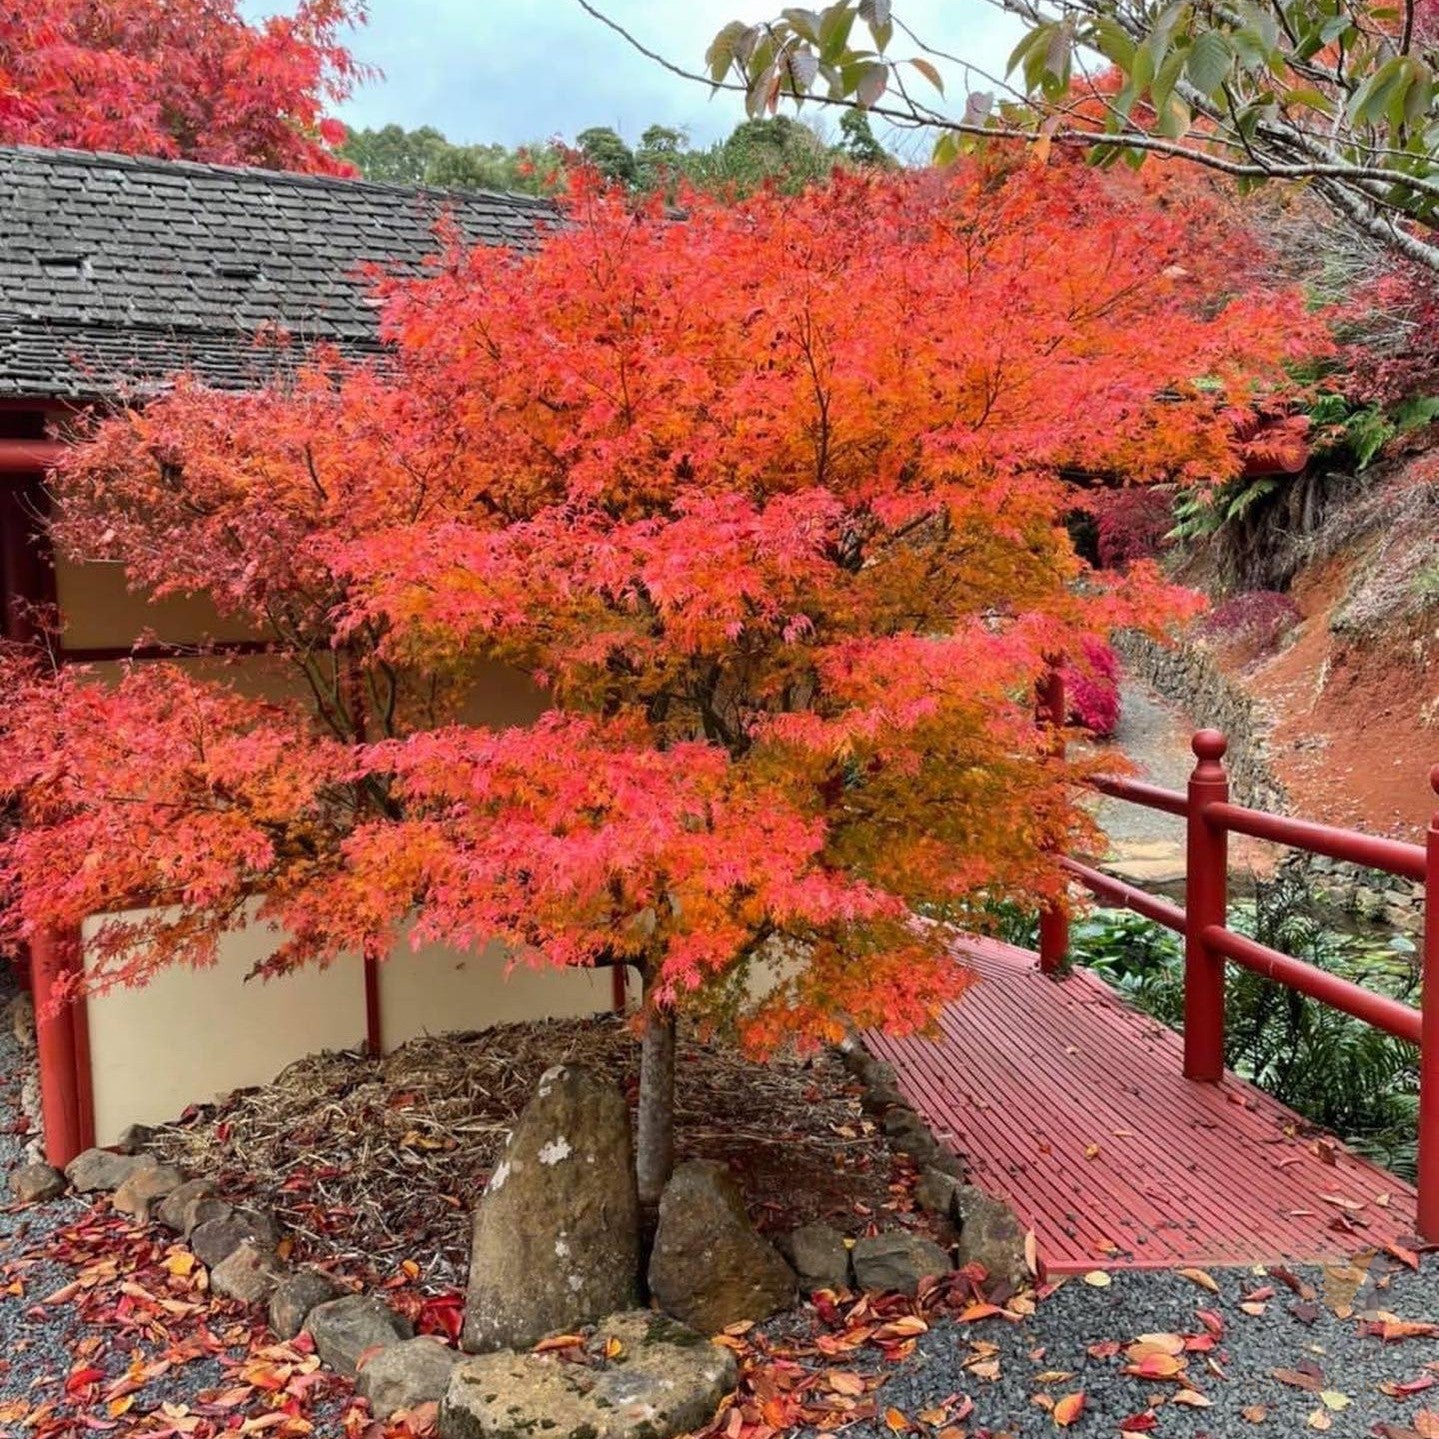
(1091, 682)
(178, 79)
(770, 504)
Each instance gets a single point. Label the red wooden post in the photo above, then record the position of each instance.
(52, 956)
(1206, 902)
(1050, 707)
(1428, 1220)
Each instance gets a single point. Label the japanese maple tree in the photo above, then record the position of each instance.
(768, 500)
(178, 79)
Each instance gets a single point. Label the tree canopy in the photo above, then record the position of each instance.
(774, 149)
(179, 79)
(769, 502)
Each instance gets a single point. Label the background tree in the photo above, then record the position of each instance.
(394, 155)
(185, 79)
(607, 152)
(1341, 94)
(786, 576)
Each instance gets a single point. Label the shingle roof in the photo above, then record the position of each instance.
(115, 271)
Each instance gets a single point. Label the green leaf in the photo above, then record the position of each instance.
(946, 149)
(834, 28)
(1174, 119)
(1027, 42)
(804, 23)
(1209, 61)
(872, 82)
(929, 72)
(1112, 41)
(724, 49)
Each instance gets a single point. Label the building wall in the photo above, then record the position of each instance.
(190, 1035)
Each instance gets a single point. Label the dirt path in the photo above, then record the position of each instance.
(1145, 845)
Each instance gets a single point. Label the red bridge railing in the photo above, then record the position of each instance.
(1209, 943)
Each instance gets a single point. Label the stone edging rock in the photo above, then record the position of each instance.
(989, 1233)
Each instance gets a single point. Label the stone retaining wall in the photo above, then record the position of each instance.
(1187, 675)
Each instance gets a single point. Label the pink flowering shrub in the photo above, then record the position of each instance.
(1092, 688)
(1260, 618)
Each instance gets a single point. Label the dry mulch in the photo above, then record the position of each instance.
(375, 1164)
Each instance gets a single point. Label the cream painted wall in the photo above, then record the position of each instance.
(435, 990)
(101, 611)
(191, 1034)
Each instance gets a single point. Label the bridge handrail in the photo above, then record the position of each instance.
(1209, 819)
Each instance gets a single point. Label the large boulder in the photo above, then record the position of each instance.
(644, 1377)
(896, 1262)
(347, 1331)
(556, 1233)
(990, 1235)
(406, 1375)
(709, 1267)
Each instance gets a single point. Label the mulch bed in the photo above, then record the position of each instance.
(376, 1164)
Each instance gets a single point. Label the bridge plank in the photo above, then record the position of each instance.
(1029, 1074)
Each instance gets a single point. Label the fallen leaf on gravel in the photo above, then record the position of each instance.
(1192, 1398)
(1098, 1279)
(1299, 1379)
(1390, 1328)
(1156, 1366)
(1199, 1277)
(1403, 1389)
(1255, 1413)
(844, 1381)
(1068, 1409)
(896, 1420)
(1319, 1420)
(1213, 1321)
(1333, 1399)
(1156, 1344)
(1139, 1423)
(1104, 1349)
(1254, 1307)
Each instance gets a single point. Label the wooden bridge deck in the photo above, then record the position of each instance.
(1073, 1106)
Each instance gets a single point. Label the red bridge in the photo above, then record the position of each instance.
(1124, 1145)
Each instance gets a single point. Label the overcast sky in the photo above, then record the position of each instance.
(519, 70)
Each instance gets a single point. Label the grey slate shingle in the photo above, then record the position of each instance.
(180, 263)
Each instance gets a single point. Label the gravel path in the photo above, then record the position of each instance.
(1155, 735)
(1068, 1347)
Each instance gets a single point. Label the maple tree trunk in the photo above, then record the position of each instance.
(655, 1125)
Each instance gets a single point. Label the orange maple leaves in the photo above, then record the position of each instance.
(770, 502)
